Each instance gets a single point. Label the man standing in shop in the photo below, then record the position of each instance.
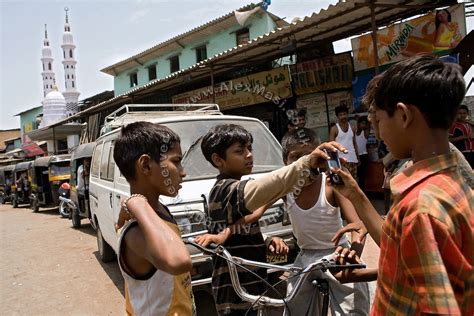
(344, 134)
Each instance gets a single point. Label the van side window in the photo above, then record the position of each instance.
(95, 166)
(111, 166)
(104, 162)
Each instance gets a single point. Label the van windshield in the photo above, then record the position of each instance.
(266, 150)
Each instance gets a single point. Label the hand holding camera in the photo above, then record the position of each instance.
(334, 162)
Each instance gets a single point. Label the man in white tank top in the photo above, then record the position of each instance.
(344, 134)
(361, 140)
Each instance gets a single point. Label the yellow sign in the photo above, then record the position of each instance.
(435, 32)
(266, 86)
(323, 74)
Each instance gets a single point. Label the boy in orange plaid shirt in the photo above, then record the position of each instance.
(427, 240)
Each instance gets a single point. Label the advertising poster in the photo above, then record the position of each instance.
(315, 105)
(267, 86)
(435, 32)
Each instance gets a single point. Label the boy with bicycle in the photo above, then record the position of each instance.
(229, 148)
(152, 256)
(315, 211)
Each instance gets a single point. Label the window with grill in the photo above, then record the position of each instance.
(242, 36)
(174, 64)
(151, 72)
(201, 53)
(133, 80)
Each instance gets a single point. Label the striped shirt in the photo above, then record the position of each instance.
(226, 206)
(427, 243)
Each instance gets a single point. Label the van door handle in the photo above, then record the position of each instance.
(118, 196)
(110, 199)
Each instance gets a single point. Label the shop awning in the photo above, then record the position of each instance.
(55, 132)
(32, 149)
(342, 20)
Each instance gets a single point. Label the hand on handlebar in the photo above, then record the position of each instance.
(278, 246)
(207, 239)
(347, 256)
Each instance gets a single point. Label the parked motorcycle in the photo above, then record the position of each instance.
(65, 204)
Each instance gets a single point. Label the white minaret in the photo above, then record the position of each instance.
(47, 60)
(70, 81)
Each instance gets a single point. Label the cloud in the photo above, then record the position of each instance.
(137, 16)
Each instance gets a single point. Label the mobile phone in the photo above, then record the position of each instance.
(334, 162)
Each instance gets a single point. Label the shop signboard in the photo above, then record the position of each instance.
(435, 32)
(315, 105)
(322, 74)
(267, 86)
(316, 114)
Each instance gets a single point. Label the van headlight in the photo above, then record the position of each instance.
(184, 225)
(191, 221)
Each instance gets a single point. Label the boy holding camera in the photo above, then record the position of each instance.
(318, 205)
(229, 149)
(426, 241)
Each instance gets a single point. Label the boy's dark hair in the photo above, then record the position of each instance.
(299, 136)
(463, 107)
(302, 112)
(221, 137)
(434, 87)
(362, 119)
(368, 97)
(341, 109)
(140, 138)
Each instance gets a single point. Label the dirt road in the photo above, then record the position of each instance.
(49, 268)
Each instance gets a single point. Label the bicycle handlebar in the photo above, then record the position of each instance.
(232, 262)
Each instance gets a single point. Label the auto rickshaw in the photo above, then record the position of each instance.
(78, 201)
(6, 181)
(21, 185)
(47, 176)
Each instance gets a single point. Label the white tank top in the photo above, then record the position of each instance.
(315, 227)
(361, 142)
(345, 139)
(159, 294)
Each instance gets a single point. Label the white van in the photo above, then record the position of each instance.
(108, 187)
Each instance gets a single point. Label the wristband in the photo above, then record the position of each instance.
(124, 204)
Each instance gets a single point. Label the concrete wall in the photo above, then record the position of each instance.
(216, 43)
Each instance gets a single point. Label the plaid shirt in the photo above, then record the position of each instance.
(427, 243)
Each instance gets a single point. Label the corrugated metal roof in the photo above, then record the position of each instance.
(345, 19)
(214, 26)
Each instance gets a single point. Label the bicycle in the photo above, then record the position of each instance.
(264, 301)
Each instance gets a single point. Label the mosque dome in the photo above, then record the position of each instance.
(54, 107)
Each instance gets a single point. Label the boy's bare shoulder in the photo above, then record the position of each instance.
(134, 238)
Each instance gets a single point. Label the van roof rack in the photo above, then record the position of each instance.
(138, 112)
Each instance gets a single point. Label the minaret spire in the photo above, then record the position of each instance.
(70, 94)
(47, 61)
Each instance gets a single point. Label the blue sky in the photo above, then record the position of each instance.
(105, 31)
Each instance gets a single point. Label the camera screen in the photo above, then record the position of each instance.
(333, 164)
